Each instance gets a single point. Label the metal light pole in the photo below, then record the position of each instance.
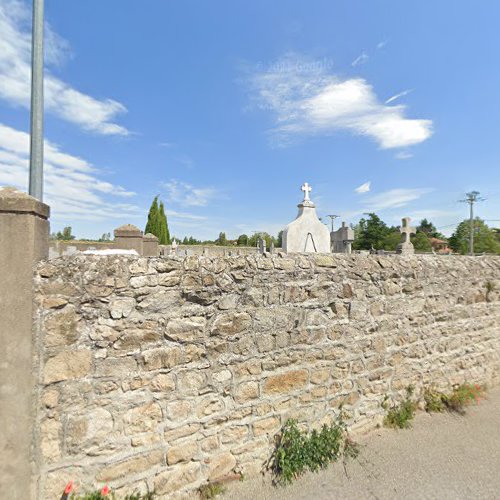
(333, 217)
(36, 137)
(472, 198)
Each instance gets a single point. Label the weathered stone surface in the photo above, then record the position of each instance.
(162, 357)
(185, 329)
(203, 371)
(68, 365)
(220, 465)
(285, 383)
(131, 466)
(182, 452)
(177, 478)
(231, 323)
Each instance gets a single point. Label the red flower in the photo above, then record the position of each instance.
(105, 491)
(69, 488)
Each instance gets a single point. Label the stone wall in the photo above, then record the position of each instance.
(166, 373)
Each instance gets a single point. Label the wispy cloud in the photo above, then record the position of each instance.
(397, 96)
(364, 188)
(185, 195)
(394, 198)
(166, 144)
(382, 44)
(73, 187)
(61, 99)
(307, 99)
(403, 155)
(361, 59)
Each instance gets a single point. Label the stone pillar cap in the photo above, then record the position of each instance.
(128, 230)
(150, 237)
(15, 201)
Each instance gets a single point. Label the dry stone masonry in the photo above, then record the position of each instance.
(166, 373)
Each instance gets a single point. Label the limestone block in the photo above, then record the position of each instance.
(177, 478)
(162, 357)
(61, 327)
(142, 418)
(131, 466)
(68, 365)
(220, 465)
(182, 453)
(172, 434)
(185, 329)
(121, 307)
(231, 323)
(268, 425)
(246, 391)
(286, 382)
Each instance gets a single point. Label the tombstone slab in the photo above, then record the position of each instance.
(306, 234)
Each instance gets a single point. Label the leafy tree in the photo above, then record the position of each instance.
(105, 237)
(371, 232)
(391, 241)
(429, 229)
(252, 241)
(421, 242)
(65, 235)
(279, 239)
(221, 240)
(242, 240)
(484, 238)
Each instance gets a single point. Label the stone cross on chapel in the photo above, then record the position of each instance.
(307, 189)
(406, 230)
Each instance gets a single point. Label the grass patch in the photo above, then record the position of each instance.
(211, 490)
(298, 451)
(400, 416)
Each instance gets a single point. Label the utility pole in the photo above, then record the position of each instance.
(471, 198)
(36, 136)
(333, 217)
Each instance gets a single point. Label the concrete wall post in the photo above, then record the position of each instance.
(24, 240)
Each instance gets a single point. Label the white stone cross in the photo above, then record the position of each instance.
(307, 189)
(406, 229)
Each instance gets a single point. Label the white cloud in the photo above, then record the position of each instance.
(183, 194)
(364, 188)
(394, 198)
(382, 44)
(308, 100)
(72, 185)
(397, 96)
(361, 59)
(61, 99)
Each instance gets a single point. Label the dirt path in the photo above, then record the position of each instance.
(444, 456)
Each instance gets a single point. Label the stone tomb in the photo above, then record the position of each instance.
(306, 233)
(342, 239)
(406, 246)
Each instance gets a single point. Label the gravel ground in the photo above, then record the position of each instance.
(444, 456)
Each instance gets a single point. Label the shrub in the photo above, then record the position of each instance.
(400, 416)
(434, 402)
(462, 396)
(297, 451)
(211, 490)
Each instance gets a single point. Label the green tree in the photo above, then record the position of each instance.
(391, 241)
(421, 242)
(65, 235)
(371, 232)
(484, 238)
(242, 240)
(157, 222)
(221, 240)
(164, 236)
(429, 229)
(279, 240)
(152, 225)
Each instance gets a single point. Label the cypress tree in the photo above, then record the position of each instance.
(152, 225)
(164, 232)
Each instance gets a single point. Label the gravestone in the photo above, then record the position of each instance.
(406, 246)
(342, 239)
(306, 233)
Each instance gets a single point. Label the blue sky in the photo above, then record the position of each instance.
(225, 108)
